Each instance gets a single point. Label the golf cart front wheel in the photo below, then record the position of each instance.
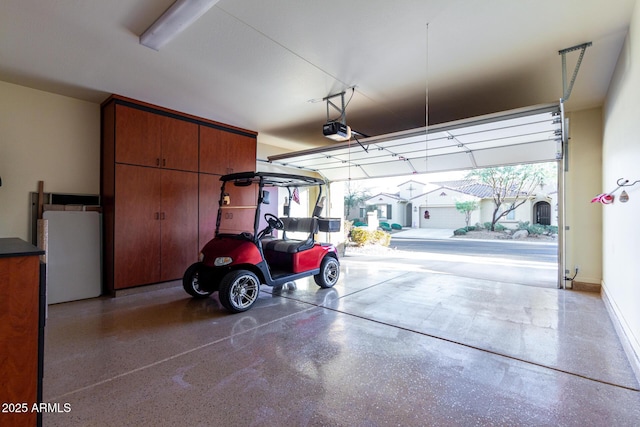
(191, 282)
(239, 289)
(329, 272)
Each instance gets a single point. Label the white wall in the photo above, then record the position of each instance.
(583, 181)
(44, 137)
(621, 157)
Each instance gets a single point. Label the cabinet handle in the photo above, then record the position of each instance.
(162, 216)
(157, 215)
(157, 161)
(164, 162)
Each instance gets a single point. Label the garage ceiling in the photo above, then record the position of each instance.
(264, 65)
(524, 135)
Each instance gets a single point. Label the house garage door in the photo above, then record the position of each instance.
(525, 135)
(442, 217)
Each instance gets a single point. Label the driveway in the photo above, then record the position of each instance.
(525, 263)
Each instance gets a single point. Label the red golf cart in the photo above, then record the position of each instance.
(237, 260)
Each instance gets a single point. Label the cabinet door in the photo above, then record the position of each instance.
(19, 300)
(137, 226)
(213, 157)
(179, 144)
(242, 152)
(137, 137)
(179, 223)
(209, 189)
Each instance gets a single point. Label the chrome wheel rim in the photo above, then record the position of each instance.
(331, 272)
(244, 291)
(195, 284)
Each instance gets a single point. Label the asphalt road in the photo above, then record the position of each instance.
(542, 252)
(533, 264)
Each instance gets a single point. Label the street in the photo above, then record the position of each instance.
(546, 252)
(523, 263)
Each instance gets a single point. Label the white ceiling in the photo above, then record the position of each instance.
(256, 64)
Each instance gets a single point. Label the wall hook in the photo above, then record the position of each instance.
(607, 198)
(625, 183)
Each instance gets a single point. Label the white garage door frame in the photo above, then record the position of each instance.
(527, 135)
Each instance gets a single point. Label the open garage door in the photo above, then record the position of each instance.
(526, 135)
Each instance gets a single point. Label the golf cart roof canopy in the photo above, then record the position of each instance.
(274, 179)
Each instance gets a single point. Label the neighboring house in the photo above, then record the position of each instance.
(390, 207)
(397, 208)
(436, 208)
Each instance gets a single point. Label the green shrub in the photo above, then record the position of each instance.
(385, 226)
(536, 229)
(499, 227)
(359, 224)
(396, 226)
(471, 228)
(460, 232)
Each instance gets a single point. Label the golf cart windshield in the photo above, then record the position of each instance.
(243, 194)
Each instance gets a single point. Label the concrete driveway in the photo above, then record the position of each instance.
(530, 271)
(424, 233)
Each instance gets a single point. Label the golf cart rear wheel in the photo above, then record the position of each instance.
(191, 282)
(329, 272)
(239, 289)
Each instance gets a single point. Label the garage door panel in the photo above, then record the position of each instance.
(442, 217)
(533, 152)
(525, 135)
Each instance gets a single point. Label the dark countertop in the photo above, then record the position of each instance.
(14, 247)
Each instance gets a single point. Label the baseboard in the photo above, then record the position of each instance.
(586, 287)
(145, 288)
(632, 351)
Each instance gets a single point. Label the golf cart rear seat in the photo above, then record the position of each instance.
(291, 246)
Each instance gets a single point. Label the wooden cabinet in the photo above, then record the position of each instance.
(21, 331)
(156, 224)
(137, 222)
(158, 210)
(148, 139)
(178, 223)
(224, 152)
(209, 191)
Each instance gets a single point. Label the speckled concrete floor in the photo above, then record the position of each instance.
(385, 346)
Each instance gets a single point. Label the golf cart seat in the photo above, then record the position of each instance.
(292, 225)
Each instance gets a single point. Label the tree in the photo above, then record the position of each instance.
(511, 186)
(353, 197)
(466, 207)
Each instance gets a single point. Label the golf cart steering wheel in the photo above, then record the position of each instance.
(274, 221)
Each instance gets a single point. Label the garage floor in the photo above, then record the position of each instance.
(386, 346)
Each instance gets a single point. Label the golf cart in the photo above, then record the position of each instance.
(238, 259)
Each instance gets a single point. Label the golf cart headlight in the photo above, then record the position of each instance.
(222, 260)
